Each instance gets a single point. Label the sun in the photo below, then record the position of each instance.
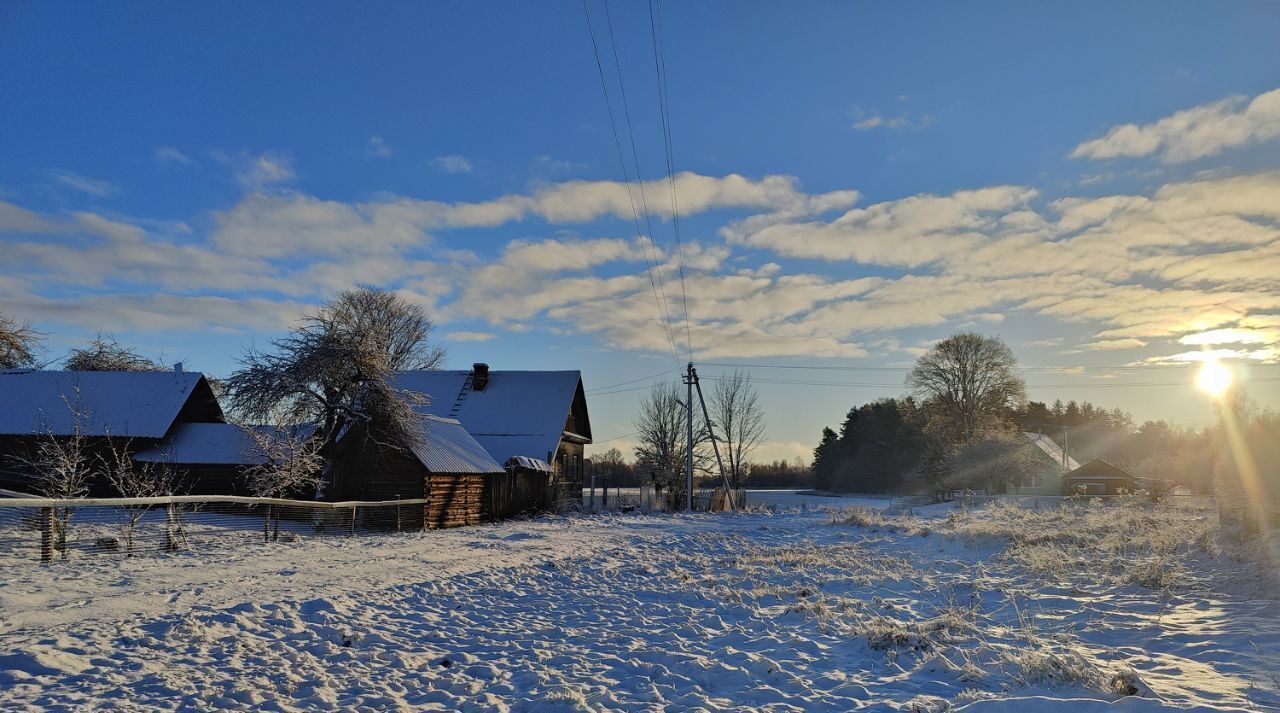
(1214, 378)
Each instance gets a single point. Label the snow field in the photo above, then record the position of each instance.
(782, 612)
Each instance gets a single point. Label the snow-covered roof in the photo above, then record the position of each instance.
(126, 404)
(528, 463)
(519, 413)
(203, 443)
(1051, 449)
(209, 443)
(446, 447)
(1098, 469)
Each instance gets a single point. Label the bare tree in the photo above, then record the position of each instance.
(134, 479)
(661, 427)
(104, 353)
(61, 464)
(336, 370)
(738, 422)
(971, 378)
(291, 461)
(611, 461)
(18, 343)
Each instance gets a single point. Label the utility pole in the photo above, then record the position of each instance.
(688, 473)
(711, 431)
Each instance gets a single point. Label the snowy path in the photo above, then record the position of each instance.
(767, 612)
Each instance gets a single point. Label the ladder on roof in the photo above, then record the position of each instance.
(462, 396)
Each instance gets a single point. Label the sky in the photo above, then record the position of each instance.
(1096, 184)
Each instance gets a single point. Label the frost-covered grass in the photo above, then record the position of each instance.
(787, 611)
(1114, 542)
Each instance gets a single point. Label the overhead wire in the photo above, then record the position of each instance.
(664, 372)
(1112, 385)
(1059, 369)
(658, 295)
(664, 110)
(635, 157)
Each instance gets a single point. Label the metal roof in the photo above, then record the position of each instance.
(1051, 449)
(446, 447)
(127, 404)
(1098, 469)
(519, 413)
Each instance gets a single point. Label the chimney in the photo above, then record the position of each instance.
(177, 367)
(479, 376)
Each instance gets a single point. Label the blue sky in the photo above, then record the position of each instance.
(1094, 183)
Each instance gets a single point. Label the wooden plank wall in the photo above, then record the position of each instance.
(454, 500)
(514, 494)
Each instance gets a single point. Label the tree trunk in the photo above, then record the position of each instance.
(46, 534)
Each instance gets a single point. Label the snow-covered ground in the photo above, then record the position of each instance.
(989, 610)
(780, 497)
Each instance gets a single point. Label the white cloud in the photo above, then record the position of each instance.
(16, 219)
(1193, 133)
(168, 155)
(93, 186)
(452, 164)
(555, 165)
(1232, 336)
(468, 336)
(257, 172)
(909, 232)
(864, 120)
(1143, 270)
(279, 226)
(375, 147)
(266, 170)
(1113, 344)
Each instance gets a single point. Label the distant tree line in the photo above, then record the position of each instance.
(931, 439)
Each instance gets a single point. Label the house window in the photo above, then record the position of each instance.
(1037, 480)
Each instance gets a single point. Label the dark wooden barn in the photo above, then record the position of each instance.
(461, 482)
(128, 410)
(534, 422)
(1098, 477)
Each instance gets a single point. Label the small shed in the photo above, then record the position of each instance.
(446, 466)
(1098, 477)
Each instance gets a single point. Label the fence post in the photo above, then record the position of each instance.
(171, 518)
(353, 521)
(46, 534)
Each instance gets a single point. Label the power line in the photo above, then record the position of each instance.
(615, 438)
(621, 391)
(629, 381)
(1112, 385)
(635, 157)
(664, 109)
(1061, 369)
(663, 318)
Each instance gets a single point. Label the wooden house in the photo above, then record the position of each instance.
(1046, 462)
(533, 422)
(1098, 477)
(446, 466)
(131, 410)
